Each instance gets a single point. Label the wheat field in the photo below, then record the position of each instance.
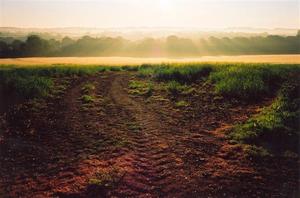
(288, 59)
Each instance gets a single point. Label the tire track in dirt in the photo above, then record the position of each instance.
(155, 170)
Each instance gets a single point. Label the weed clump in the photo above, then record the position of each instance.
(140, 88)
(87, 88)
(104, 180)
(176, 88)
(87, 99)
(181, 104)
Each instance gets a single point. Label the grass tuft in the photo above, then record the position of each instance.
(88, 87)
(140, 88)
(87, 99)
(181, 104)
(176, 88)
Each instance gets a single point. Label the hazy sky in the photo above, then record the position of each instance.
(150, 13)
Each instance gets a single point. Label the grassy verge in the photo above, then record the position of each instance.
(184, 74)
(276, 129)
(24, 85)
(250, 82)
(34, 82)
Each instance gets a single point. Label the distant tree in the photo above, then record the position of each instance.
(66, 41)
(17, 48)
(4, 49)
(173, 46)
(34, 46)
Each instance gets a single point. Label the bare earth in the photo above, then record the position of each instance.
(291, 59)
(134, 147)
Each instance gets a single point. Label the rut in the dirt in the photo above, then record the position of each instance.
(155, 168)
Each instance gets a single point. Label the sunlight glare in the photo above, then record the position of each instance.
(165, 4)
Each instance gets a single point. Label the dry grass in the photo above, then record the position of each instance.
(288, 59)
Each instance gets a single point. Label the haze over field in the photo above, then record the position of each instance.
(154, 13)
(142, 28)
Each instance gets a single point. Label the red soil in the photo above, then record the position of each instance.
(142, 148)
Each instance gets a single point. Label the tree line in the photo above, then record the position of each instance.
(35, 46)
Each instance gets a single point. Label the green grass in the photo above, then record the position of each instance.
(24, 86)
(276, 128)
(140, 88)
(275, 131)
(36, 81)
(181, 104)
(87, 99)
(88, 87)
(250, 82)
(176, 88)
(185, 73)
(106, 178)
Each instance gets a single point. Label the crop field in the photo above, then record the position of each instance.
(152, 130)
(283, 59)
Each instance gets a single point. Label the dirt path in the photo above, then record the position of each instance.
(154, 168)
(136, 148)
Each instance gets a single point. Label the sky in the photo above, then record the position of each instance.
(150, 13)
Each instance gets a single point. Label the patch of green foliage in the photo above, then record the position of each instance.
(106, 178)
(256, 151)
(88, 87)
(176, 88)
(130, 68)
(182, 74)
(36, 81)
(276, 128)
(181, 104)
(23, 85)
(140, 88)
(87, 99)
(186, 73)
(133, 126)
(250, 82)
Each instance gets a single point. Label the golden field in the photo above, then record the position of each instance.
(288, 59)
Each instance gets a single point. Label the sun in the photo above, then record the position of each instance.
(165, 4)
